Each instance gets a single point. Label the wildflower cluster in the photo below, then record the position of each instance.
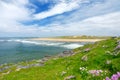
(95, 72)
(83, 69)
(114, 76)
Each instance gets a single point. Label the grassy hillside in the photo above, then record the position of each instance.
(91, 62)
(84, 37)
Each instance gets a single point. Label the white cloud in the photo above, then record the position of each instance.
(61, 7)
(110, 19)
(107, 24)
(11, 13)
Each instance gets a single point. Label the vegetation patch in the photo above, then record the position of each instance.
(98, 61)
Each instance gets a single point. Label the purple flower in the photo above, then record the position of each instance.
(95, 72)
(107, 78)
(114, 77)
(118, 73)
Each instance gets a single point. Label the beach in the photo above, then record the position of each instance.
(67, 40)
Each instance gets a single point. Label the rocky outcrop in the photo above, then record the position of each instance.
(66, 53)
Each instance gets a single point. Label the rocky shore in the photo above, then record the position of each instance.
(40, 62)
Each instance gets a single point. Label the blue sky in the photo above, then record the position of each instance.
(43, 18)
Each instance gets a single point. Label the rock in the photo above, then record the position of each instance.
(117, 50)
(38, 61)
(108, 61)
(117, 47)
(108, 52)
(47, 56)
(18, 69)
(68, 52)
(23, 67)
(55, 58)
(118, 42)
(84, 58)
(87, 50)
(4, 68)
(6, 73)
(70, 77)
(63, 73)
(37, 64)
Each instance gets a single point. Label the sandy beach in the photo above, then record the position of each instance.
(67, 40)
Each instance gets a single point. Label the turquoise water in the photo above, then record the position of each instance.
(14, 50)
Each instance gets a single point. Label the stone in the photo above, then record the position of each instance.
(18, 69)
(108, 61)
(6, 73)
(118, 41)
(87, 50)
(68, 52)
(117, 47)
(70, 77)
(84, 58)
(63, 73)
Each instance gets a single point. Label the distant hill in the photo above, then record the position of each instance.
(84, 37)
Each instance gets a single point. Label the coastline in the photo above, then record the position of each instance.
(67, 40)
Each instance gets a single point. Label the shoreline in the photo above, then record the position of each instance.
(66, 40)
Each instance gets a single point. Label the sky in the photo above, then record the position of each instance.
(43, 18)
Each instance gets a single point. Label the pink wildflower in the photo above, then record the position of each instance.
(107, 78)
(118, 73)
(114, 77)
(95, 72)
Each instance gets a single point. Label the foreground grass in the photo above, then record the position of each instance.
(98, 56)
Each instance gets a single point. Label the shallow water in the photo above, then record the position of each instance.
(14, 50)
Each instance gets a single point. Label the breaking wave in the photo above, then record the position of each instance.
(46, 43)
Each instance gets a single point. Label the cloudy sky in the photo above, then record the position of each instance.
(41, 18)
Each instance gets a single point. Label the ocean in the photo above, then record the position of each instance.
(13, 50)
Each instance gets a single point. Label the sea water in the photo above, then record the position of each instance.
(14, 50)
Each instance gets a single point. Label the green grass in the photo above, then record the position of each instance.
(83, 37)
(53, 68)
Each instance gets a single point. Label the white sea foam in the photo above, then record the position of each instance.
(24, 41)
(46, 43)
(2, 40)
(36, 42)
(72, 45)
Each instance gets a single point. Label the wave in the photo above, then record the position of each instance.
(2, 40)
(46, 43)
(72, 46)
